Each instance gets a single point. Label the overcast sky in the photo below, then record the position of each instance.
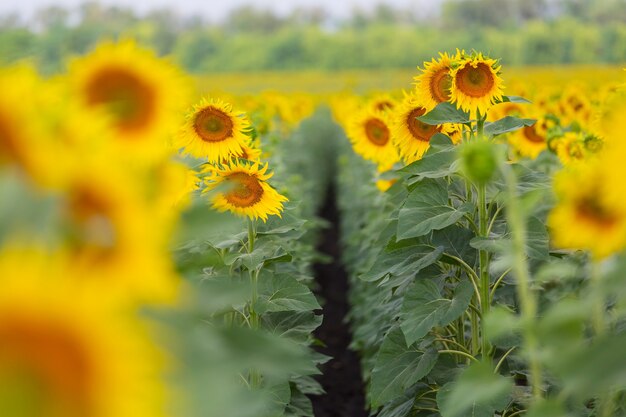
(217, 9)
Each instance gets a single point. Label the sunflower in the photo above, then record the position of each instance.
(529, 141)
(115, 233)
(570, 148)
(71, 353)
(242, 188)
(476, 83)
(433, 85)
(382, 103)
(141, 94)
(214, 130)
(587, 200)
(370, 134)
(410, 136)
(24, 141)
(502, 110)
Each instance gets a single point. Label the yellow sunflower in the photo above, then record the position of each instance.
(570, 148)
(370, 134)
(115, 233)
(242, 188)
(24, 141)
(71, 353)
(141, 94)
(213, 130)
(410, 136)
(382, 103)
(476, 83)
(529, 141)
(433, 85)
(590, 213)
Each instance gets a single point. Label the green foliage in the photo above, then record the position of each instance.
(521, 32)
(398, 366)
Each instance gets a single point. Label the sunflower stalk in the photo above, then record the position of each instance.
(515, 218)
(255, 376)
(483, 262)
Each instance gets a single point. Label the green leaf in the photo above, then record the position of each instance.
(445, 113)
(455, 241)
(284, 293)
(427, 209)
(425, 307)
(502, 327)
(547, 408)
(398, 367)
(477, 393)
(514, 99)
(537, 241)
(507, 124)
(296, 326)
(594, 369)
(439, 161)
(278, 394)
(403, 260)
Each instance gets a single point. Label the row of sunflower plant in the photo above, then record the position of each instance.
(147, 266)
(486, 267)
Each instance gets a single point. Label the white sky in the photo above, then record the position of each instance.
(217, 9)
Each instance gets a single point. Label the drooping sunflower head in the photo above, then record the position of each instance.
(476, 83)
(587, 200)
(71, 353)
(141, 94)
(213, 130)
(370, 134)
(433, 85)
(242, 188)
(411, 136)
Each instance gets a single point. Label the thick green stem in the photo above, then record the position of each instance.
(255, 376)
(483, 259)
(474, 325)
(607, 400)
(528, 303)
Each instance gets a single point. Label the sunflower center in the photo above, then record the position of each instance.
(93, 215)
(213, 125)
(531, 135)
(384, 105)
(127, 97)
(377, 132)
(9, 150)
(43, 367)
(475, 81)
(440, 85)
(589, 208)
(246, 190)
(419, 130)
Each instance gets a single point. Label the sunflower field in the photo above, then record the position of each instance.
(453, 247)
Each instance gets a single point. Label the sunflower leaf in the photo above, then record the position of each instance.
(507, 124)
(439, 161)
(424, 307)
(514, 99)
(427, 209)
(403, 260)
(478, 392)
(445, 113)
(398, 367)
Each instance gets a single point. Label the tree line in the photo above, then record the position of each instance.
(522, 32)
